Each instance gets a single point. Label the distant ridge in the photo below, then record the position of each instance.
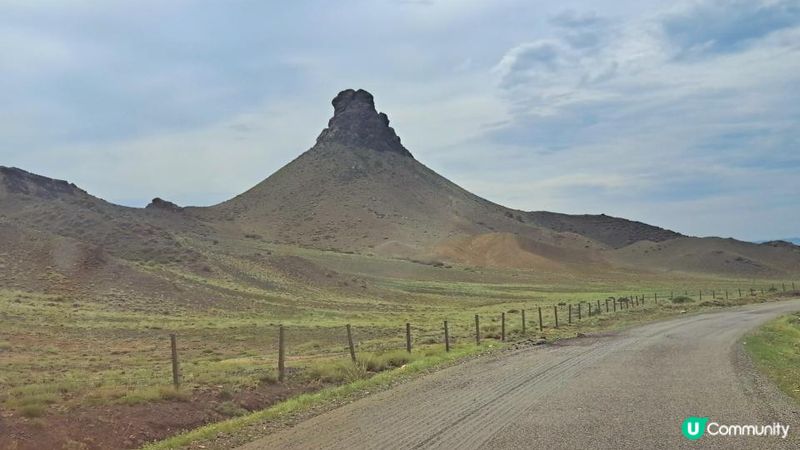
(779, 242)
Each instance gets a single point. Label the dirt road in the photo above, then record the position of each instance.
(631, 390)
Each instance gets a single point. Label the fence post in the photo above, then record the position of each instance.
(503, 326)
(784, 286)
(606, 305)
(541, 326)
(701, 295)
(281, 354)
(477, 330)
(599, 311)
(408, 337)
(740, 292)
(350, 343)
(615, 305)
(579, 310)
(524, 327)
(446, 337)
(569, 309)
(713, 294)
(176, 377)
(555, 313)
(726, 294)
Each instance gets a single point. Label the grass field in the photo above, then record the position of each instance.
(66, 356)
(775, 347)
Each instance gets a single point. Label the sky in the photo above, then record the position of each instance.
(682, 114)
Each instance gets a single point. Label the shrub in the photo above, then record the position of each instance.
(230, 409)
(170, 393)
(682, 299)
(396, 358)
(337, 371)
(32, 410)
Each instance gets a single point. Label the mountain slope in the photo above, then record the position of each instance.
(358, 189)
(61, 208)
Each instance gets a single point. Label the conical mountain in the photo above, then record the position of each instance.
(359, 188)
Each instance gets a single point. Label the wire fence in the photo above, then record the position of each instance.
(172, 366)
(503, 325)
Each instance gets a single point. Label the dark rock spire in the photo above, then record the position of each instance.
(356, 123)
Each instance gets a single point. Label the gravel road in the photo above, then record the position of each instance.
(630, 390)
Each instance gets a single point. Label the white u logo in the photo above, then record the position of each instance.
(694, 431)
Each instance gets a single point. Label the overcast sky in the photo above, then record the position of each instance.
(680, 114)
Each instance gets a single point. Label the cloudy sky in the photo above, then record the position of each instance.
(680, 114)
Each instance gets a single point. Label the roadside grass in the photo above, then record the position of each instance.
(775, 348)
(432, 358)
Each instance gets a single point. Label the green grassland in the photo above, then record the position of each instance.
(64, 351)
(775, 347)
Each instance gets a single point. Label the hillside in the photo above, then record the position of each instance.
(359, 190)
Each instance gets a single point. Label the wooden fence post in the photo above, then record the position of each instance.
(701, 295)
(408, 337)
(350, 343)
(579, 310)
(541, 326)
(477, 330)
(599, 311)
(740, 292)
(281, 354)
(503, 326)
(606, 305)
(726, 294)
(524, 327)
(615, 304)
(446, 337)
(176, 376)
(569, 313)
(555, 313)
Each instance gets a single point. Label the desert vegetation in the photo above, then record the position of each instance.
(775, 350)
(105, 361)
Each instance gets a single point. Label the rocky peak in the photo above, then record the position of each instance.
(356, 123)
(18, 181)
(163, 205)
